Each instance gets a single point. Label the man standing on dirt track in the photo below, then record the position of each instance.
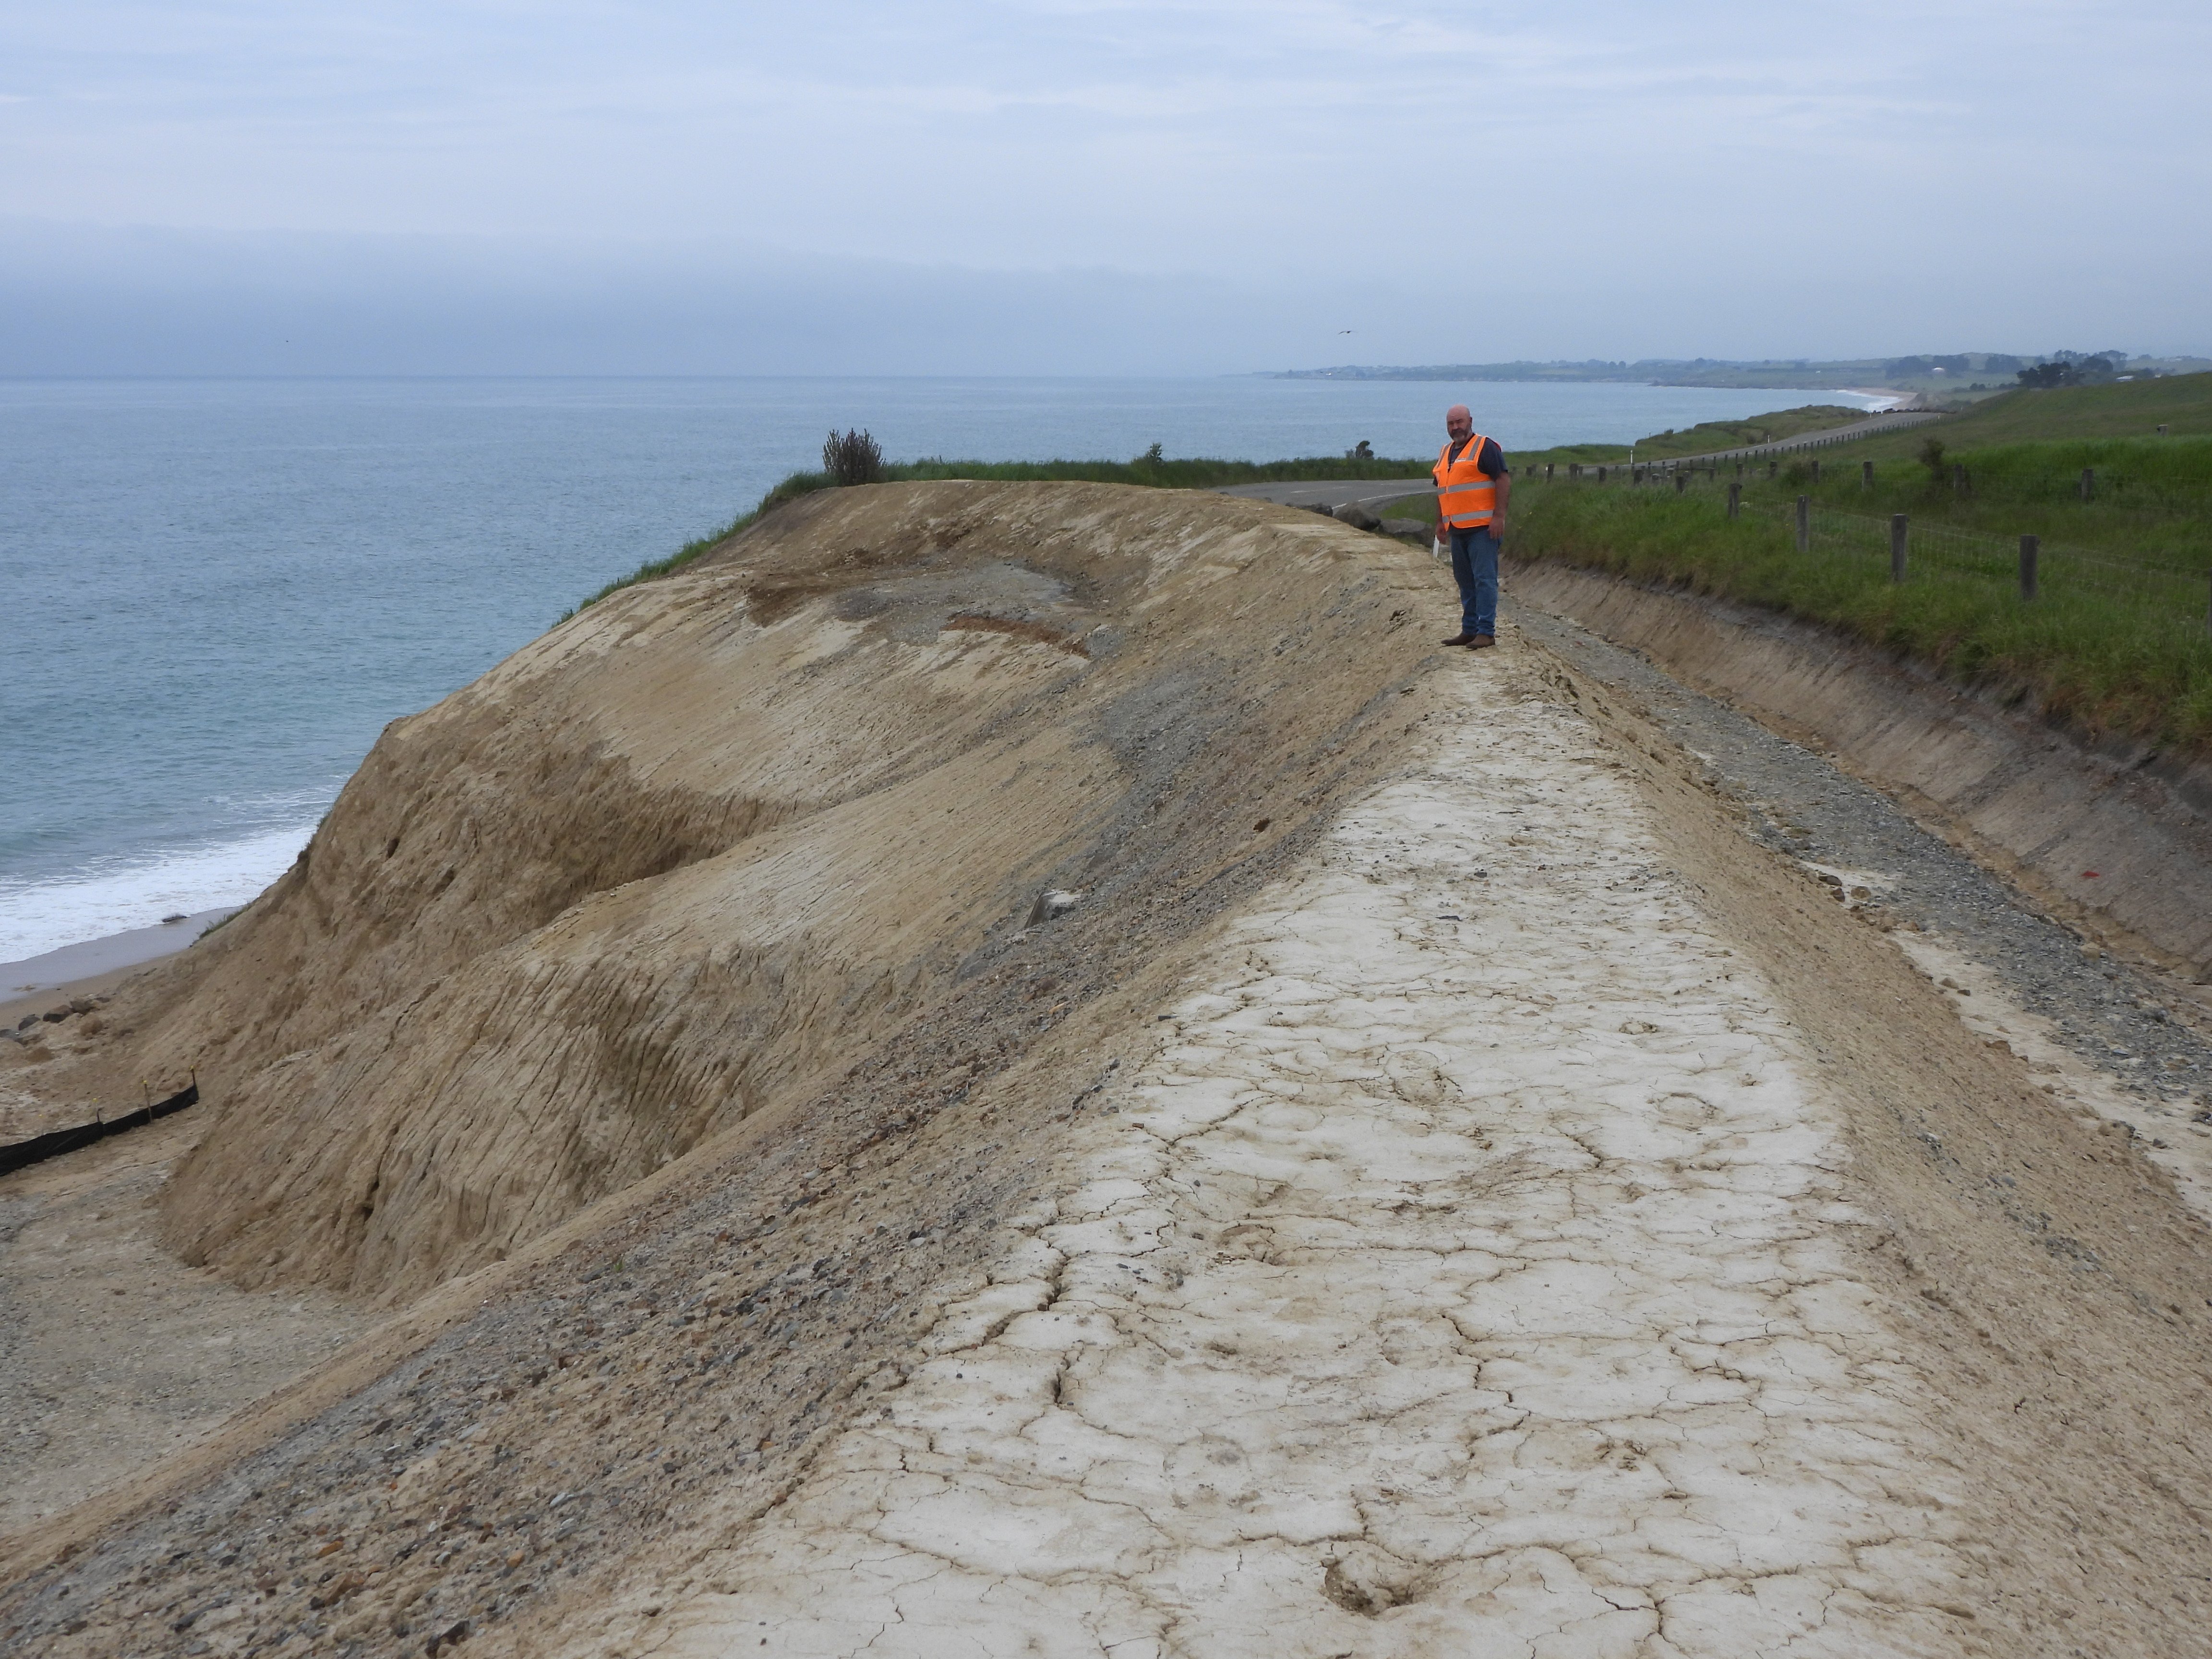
(1472, 488)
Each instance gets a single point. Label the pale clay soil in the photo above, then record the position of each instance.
(1506, 1242)
(112, 1352)
(1470, 1252)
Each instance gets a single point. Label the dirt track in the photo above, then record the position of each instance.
(1544, 1217)
(1470, 1269)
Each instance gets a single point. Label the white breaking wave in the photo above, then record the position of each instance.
(39, 916)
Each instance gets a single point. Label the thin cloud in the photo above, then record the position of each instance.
(1570, 167)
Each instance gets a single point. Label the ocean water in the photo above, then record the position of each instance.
(215, 593)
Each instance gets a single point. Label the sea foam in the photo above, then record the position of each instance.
(39, 916)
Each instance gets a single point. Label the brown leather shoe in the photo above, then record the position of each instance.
(1462, 639)
(1478, 641)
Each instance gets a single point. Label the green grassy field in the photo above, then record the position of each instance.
(2148, 499)
(1700, 440)
(2117, 642)
(2125, 409)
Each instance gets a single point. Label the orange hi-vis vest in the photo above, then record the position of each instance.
(1466, 496)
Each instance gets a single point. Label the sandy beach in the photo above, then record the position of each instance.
(96, 966)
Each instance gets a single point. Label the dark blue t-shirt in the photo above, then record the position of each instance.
(1491, 462)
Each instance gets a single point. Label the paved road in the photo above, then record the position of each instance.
(1834, 434)
(1333, 492)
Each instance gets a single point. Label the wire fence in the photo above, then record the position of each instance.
(1942, 551)
(2114, 489)
(2028, 568)
(1874, 425)
(22, 1154)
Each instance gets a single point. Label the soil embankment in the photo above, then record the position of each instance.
(1517, 1238)
(1441, 1185)
(688, 854)
(2119, 841)
(863, 741)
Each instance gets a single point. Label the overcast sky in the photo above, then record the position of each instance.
(1034, 187)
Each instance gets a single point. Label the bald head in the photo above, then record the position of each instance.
(1459, 421)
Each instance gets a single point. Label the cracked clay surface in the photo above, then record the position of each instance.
(1466, 1272)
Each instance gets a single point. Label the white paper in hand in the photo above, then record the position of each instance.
(1436, 548)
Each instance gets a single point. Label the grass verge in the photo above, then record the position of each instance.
(797, 484)
(2104, 663)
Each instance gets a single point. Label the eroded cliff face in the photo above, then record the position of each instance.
(1442, 1186)
(677, 861)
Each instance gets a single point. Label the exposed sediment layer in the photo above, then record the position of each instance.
(112, 1352)
(2120, 836)
(683, 858)
(1544, 1219)
(1249, 666)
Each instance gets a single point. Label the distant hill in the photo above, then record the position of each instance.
(2128, 409)
(1937, 376)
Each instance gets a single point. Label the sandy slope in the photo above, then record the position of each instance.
(1445, 1189)
(112, 1352)
(675, 862)
(613, 973)
(1466, 1275)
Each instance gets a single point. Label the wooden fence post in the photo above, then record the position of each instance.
(1735, 501)
(1804, 524)
(1601, 474)
(1682, 482)
(1866, 475)
(1816, 469)
(2089, 482)
(1897, 534)
(1547, 471)
(1774, 467)
(2029, 547)
(2162, 429)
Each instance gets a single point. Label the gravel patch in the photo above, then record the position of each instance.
(2113, 1017)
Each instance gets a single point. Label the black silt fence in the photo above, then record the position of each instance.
(21, 1154)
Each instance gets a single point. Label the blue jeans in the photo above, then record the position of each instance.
(1475, 568)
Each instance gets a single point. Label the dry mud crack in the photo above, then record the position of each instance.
(1444, 1187)
(1465, 1273)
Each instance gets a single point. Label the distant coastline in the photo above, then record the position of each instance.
(1978, 373)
